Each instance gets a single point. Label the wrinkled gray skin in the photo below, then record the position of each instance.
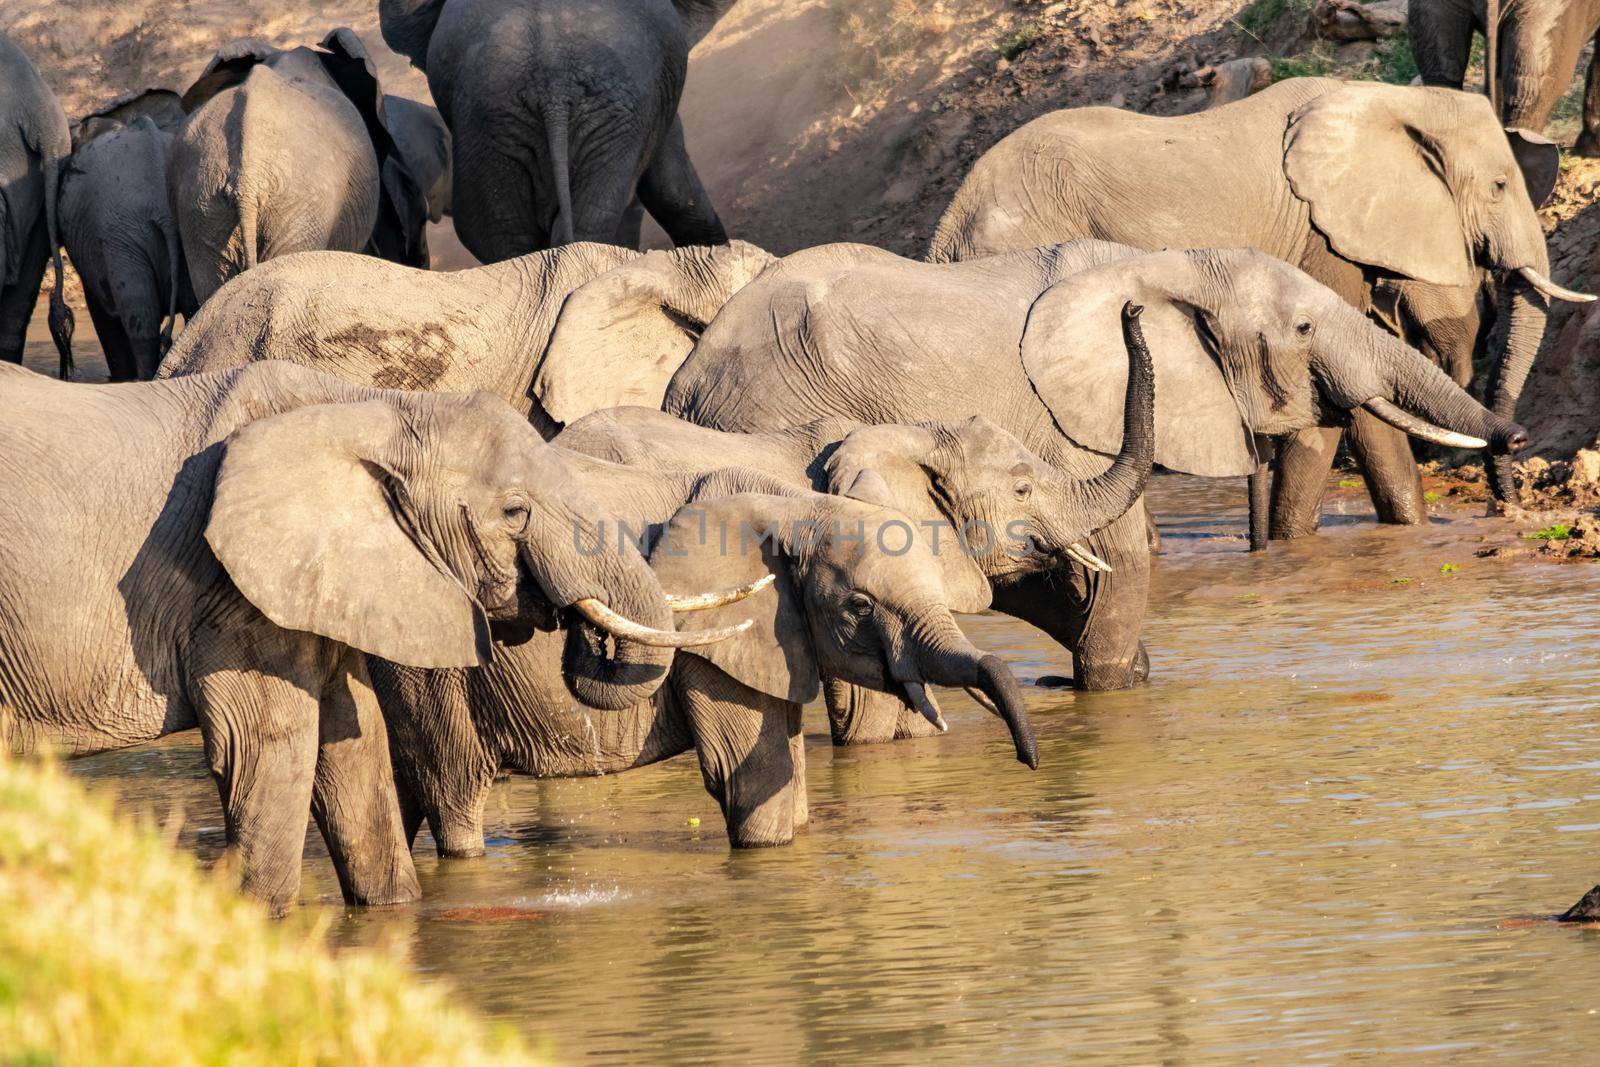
(1324, 175)
(1243, 345)
(564, 115)
(840, 607)
(281, 153)
(416, 182)
(34, 143)
(556, 334)
(1536, 50)
(219, 552)
(118, 229)
(946, 476)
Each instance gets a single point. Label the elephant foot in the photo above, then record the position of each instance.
(1586, 910)
(1587, 144)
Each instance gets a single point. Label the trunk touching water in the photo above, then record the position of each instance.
(1529, 311)
(944, 656)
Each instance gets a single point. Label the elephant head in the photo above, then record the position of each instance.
(621, 336)
(1243, 344)
(417, 182)
(1009, 511)
(416, 527)
(859, 597)
(163, 107)
(1425, 184)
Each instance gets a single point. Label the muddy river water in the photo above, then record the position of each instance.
(1331, 826)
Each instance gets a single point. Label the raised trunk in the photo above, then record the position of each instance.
(1104, 498)
(407, 27)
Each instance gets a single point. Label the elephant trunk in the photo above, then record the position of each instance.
(944, 656)
(407, 27)
(1104, 498)
(1529, 311)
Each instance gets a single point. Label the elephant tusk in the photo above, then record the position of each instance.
(702, 601)
(1552, 290)
(1406, 422)
(923, 701)
(982, 700)
(1078, 554)
(628, 630)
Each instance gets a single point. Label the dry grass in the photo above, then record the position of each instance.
(115, 950)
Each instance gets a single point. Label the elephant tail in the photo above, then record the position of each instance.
(60, 317)
(555, 132)
(169, 236)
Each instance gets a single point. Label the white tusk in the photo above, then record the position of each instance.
(628, 630)
(923, 701)
(983, 700)
(1552, 290)
(1078, 554)
(702, 601)
(1406, 422)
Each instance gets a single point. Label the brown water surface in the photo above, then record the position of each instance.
(1312, 836)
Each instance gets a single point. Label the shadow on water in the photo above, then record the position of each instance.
(1311, 836)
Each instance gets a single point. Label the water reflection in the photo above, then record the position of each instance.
(1302, 841)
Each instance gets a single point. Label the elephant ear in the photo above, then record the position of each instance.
(400, 234)
(730, 541)
(1072, 350)
(230, 66)
(312, 527)
(163, 107)
(1539, 159)
(621, 336)
(345, 59)
(1373, 177)
(407, 27)
(699, 16)
(882, 465)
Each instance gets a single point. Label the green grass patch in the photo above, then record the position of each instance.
(1313, 64)
(1394, 60)
(1556, 531)
(1260, 16)
(1448, 568)
(1020, 40)
(1401, 581)
(1349, 483)
(1430, 496)
(115, 949)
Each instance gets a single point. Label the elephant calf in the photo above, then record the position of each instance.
(220, 551)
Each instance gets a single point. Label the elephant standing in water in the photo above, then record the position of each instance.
(1534, 47)
(1409, 203)
(282, 152)
(34, 143)
(862, 596)
(564, 115)
(220, 551)
(118, 229)
(1244, 346)
(556, 334)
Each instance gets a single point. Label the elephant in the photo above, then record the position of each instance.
(220, 551)
(849, 606)
(281, 152)
(1405, 201)
(416, 182)
(34, 143)
(1244, 346)
(969, 475)
(564, 116)
(118, 229)
(556, 334)
(1534, 51)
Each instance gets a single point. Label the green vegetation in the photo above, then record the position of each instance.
(1349, 483)
(1020, 40)
(1260, 16)
(1394, 60)
(1401, 581)
(1430, 496)
(115, 950)
(1448, 568)
(1313, 64)
(1558, 531)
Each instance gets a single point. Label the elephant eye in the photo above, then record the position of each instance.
(1499, 187)
(859, 605)
(1303, 329)
(516, 515)
(1023, 490)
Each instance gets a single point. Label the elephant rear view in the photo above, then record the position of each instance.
(563, 115)
(281, 153)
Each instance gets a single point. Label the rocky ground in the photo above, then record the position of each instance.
(855, 120)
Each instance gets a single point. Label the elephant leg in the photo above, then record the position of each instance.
(441, 766)
(672, 193)
(496, 214)
(1096, 616)
(746, 743)
(797, 759)
(17, 301)
(353, 795)
(254, 692)
(1393, 481)
(1441, 42)
(628, 233)
(1303, 462)
(1588, 142)
(113, 339)
(860, 716)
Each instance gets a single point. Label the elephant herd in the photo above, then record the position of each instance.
(384, 534)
